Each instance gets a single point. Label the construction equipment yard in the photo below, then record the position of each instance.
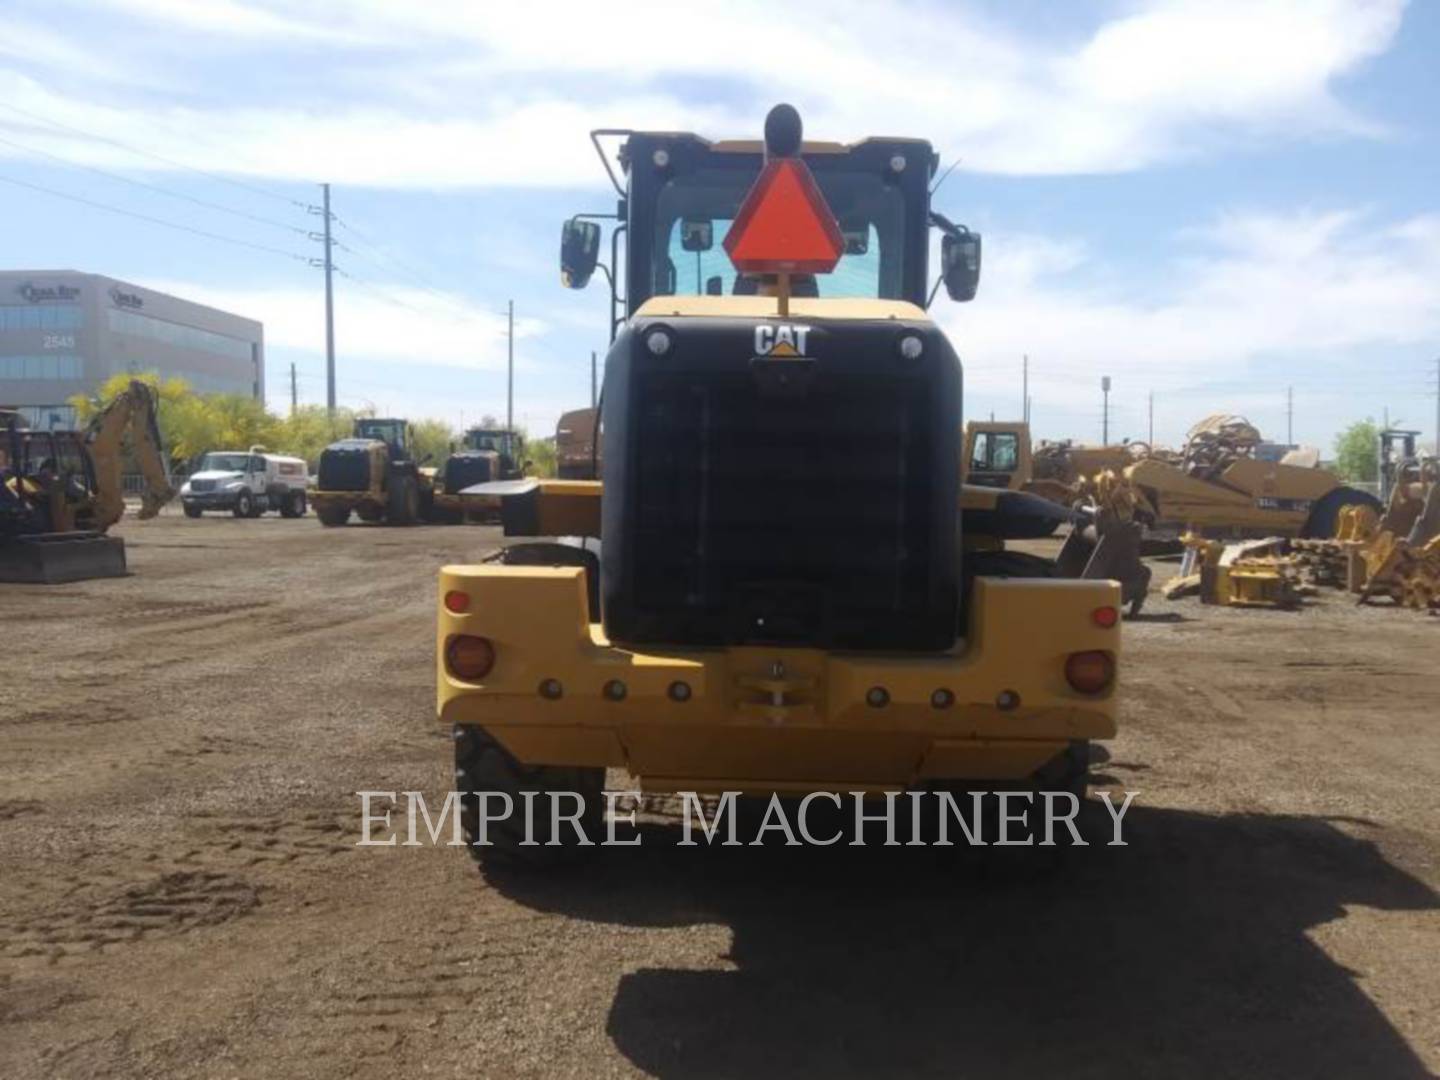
(183, 896)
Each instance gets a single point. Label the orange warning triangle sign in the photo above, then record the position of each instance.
(784, 225)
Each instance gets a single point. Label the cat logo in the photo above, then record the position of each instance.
(780, 341)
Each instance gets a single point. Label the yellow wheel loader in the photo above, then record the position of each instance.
(781, 590)
(484, 456)
(60, 491)
(374, 475)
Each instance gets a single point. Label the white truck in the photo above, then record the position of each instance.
(247, 483)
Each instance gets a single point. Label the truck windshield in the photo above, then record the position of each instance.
(224, 462)
(871, 213)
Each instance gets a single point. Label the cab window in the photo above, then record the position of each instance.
(995, 451)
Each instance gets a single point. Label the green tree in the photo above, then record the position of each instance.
(541, 455)
(310, 430)
(432, 437)
(1355, 451)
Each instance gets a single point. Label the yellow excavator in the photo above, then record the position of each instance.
(60, 491)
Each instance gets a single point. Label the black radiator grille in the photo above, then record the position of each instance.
(466, 470)
(345, 469)
(800, 518)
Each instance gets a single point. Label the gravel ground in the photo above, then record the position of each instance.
(181, 895)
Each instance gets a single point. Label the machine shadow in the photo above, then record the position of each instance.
(1182, 954)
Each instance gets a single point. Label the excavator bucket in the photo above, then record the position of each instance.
(1107, 549)
(55, 558)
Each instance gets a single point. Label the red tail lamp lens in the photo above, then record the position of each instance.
(469, 657)
(1090, 672)
(457, 602)
(1105, 617)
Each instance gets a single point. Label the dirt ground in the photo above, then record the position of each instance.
(181, 894)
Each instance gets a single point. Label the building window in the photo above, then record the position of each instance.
(49, 417)
(41, 317)
(185, 337)
(48, 366)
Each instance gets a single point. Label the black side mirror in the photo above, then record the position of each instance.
(579, 252)
(857, 237)
(960, 264)
(714, 286)
(696, 234)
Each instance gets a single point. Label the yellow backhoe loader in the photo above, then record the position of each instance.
(60, 491)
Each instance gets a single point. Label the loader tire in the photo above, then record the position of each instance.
(1068, 770)
(403, 502)
(482, 765)
(1324, 516)
(332, 515)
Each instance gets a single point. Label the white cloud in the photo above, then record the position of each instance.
(1257, 295)
(396, 324)
(510, 91)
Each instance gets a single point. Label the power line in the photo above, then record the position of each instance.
(154, 220)
(256, 188)
(153, 187)
(382, 255)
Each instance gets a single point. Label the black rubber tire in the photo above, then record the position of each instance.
(1067, 771)
(293, 505)
(244, 505)
(483, 765)
(403, 502)
(332, 515)
(192, 511)
(1324, 516)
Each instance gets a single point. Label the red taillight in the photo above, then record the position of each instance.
(469, 657)
(1090, 672)
(1105, 617)
(457, 602)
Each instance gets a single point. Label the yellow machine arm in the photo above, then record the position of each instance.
(135, 410)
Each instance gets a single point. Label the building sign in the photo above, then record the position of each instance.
(125, 299)
(48, 294)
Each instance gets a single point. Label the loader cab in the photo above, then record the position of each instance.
(510, 445)
(680, 195)
(1396, 448)
(997, 454)
(393, 433)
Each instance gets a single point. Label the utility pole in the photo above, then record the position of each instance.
(329, 308)
(1437, 406)
(593, 402)
(1025, 388)
(510, 367)
(294, 396)
(1105, 414)
(1152, 418)
(1290, 416)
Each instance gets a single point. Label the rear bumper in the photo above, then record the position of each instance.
(777, 718)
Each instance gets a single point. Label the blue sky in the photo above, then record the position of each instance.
(1211, 201)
